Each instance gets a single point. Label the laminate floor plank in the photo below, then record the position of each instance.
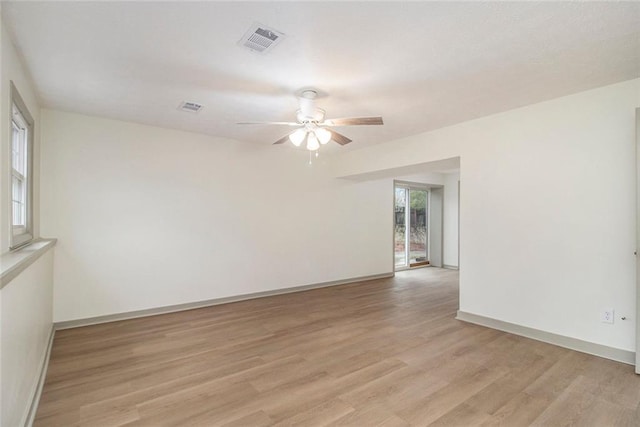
(521, 410)
(384, 352)
(461, 415)
(256, 419)
(372, 416)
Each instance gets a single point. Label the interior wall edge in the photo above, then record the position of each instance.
(33, 408)
(600, 350)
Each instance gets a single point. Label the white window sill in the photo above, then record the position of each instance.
(14, 263)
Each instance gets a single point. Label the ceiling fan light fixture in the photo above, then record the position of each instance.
(323, 135)
(311, 124)
(312, 142)
(297, 137)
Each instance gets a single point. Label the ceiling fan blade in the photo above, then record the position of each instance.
(282, 140)
(339, 138)
(350, 121)
(269, 123)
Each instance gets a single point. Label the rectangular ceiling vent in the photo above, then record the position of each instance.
(260, 38)
(190, 107)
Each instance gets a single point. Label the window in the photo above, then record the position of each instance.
(21, 173)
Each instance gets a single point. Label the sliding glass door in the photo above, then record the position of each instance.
(400, 229)
(410, 228)
(417, 227)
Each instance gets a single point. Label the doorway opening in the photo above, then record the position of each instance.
(417, 225)
(411, 208)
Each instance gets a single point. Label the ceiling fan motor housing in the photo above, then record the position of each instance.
(308, 111)
(315, 116)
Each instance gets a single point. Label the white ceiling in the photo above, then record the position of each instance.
(420, 65)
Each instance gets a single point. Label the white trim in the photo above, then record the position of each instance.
(35, 400)
(450, 267)
(617, 354)
(637, 361)
(416, 185)
(23, 238)
(458, 225)
(206, 303)
(15, 262)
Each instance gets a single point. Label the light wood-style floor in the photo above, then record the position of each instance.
(380, 353)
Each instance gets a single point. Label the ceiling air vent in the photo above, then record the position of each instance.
(190, 107)
(260, 38)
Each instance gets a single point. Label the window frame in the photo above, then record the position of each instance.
(21, 235)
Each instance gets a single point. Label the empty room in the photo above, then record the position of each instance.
(319, 213)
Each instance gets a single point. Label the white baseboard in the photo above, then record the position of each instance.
(199, 304)
(35, 400)
(450, 267)
(619, 355)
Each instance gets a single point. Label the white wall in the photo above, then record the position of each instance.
(451, 219)
(26, 301)
(25, 329)
(13, 70)
(547, 210)
(3, 195)
(148, 217)
(436, 226)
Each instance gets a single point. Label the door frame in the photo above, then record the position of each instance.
(637, 240)
(418, 186)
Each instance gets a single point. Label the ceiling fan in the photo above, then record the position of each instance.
(312, 125)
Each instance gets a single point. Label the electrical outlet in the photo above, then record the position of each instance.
(607, 315)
